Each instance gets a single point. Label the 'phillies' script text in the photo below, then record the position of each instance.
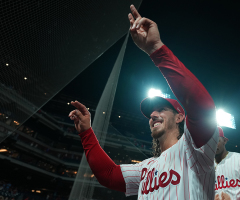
(223, 183)
(153, 181)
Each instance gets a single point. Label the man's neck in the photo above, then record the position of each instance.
(221, 156)
(168, 140)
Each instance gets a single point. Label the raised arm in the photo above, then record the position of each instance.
(187, 88)
(106, 171)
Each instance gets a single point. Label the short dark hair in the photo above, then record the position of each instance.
(155, 143)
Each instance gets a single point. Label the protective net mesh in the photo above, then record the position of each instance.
(45, 44)
(84, 185)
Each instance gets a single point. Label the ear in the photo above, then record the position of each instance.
(179, 118)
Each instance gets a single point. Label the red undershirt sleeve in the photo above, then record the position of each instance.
(106, 171)
(190, 92)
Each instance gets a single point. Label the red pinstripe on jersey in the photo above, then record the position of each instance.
(157, 180)
(179, 155)
(227, 178)
(199, 133)
(131, 170)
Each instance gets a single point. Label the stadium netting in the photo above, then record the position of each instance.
(46, 44)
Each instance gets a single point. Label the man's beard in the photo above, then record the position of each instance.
(169, 125)
(159, 134)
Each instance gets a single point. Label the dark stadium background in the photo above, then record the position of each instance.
(204, 35)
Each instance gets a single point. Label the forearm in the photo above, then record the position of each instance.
(190, 92)
(106, 171)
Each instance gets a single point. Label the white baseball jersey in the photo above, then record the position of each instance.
(181, 172)
(227, 181)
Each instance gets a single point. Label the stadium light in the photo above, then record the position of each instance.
(154, 92)
(3, 150)
(225, 119)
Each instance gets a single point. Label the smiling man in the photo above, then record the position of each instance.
(166, 121)
(227, 167)
(184, 146)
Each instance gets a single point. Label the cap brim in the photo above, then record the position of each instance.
(148, 104)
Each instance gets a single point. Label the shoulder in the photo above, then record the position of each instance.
(149, 160)
(234, 154)
(140, 164)
(233, 157)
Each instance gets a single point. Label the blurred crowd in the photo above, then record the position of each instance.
(9, 191)
(55, 149)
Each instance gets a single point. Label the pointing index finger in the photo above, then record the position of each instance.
(80, 107)
(134, 12)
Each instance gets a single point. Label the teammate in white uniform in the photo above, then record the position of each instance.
(227, 169)
(183, 163)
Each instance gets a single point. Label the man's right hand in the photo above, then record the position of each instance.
(144, 32)
(81, 117)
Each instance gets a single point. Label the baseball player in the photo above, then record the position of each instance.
(227, 171)
(184, 146)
